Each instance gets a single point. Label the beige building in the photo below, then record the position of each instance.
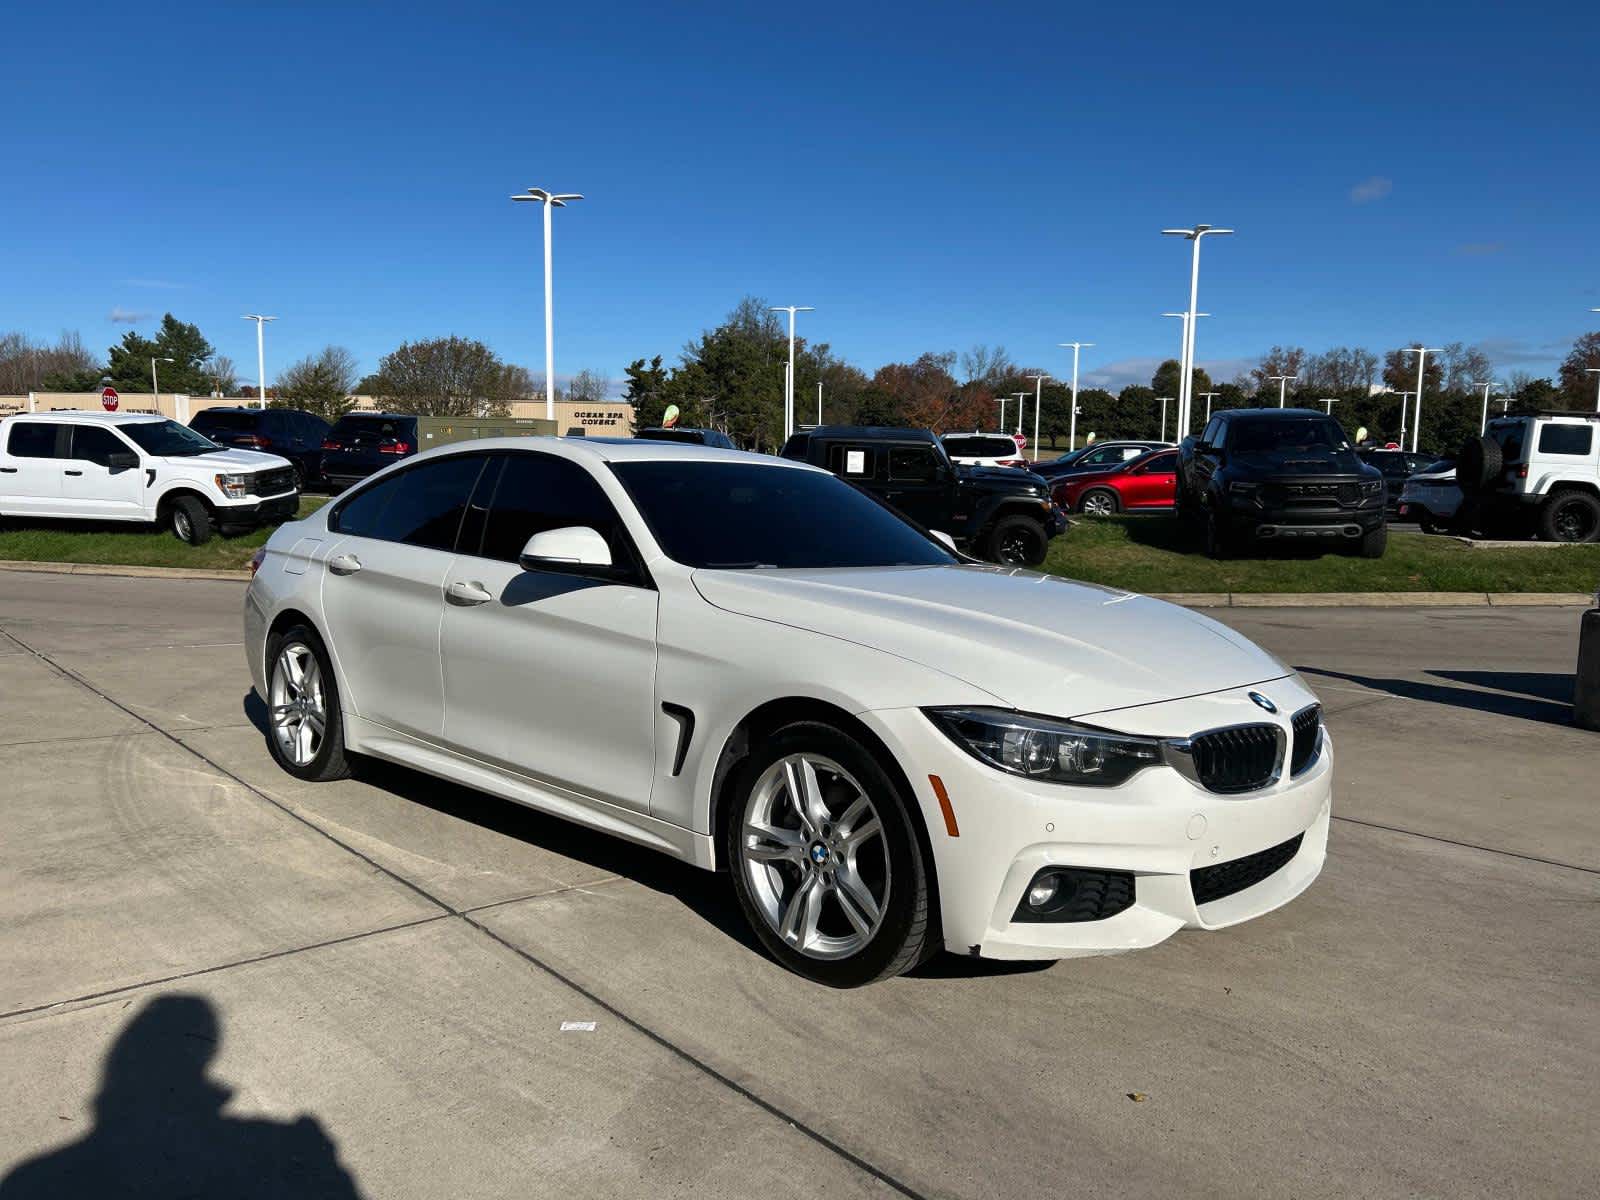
(600, 418)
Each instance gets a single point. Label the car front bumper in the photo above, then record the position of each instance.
(258, 512)
(1245, 516)
(1159, 827)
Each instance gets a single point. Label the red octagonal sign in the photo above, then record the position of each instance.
(109, 398)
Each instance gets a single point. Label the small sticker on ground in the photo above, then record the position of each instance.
(577, 1027)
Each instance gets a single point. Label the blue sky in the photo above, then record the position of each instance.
(928, 176)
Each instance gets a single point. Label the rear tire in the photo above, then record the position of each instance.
(834, 885)
(192, 522)
(1478, 464)
(1017, 542)
(302, 695)
(1570, 517)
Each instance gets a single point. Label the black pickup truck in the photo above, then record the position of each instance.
(999, 513)
(1256, 476)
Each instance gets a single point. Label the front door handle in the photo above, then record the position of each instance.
(345, 564)
(468, 592)
(8, 470)
(72, 472)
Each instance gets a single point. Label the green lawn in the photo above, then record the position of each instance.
(130, 545)
(1144, 554)
(1156, 554)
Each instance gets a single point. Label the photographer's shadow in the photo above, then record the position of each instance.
(159, 1129)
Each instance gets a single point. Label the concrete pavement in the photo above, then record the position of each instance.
(394, 957)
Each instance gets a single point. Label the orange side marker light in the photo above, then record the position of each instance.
(944, 806)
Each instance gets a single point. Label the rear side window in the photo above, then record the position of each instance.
(422, 506)
(1161, 464)
(978, 446)
(853, 462)
(538, 492)
(1566, 439)
(96, 444)
(35, 439)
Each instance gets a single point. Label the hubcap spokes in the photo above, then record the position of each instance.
(299, 718)
(815, 856)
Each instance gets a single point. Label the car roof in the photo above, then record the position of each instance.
(1275, 414)
(84, 416)
(622, 450)
(881, 432)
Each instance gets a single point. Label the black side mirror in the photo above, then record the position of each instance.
(121, 460)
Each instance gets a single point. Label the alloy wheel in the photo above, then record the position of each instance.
(182, 525)
(299, 714)
(1098, 504)
(815, 857)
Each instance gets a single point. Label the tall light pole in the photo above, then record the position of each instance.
(1187, 365)
(261, 356)
(1330, 401)
(1283, 382)
(1208, 397)
(1422, 353)
(1595, 371)
(1020, 397)
(788, 382)
(154, 386)
(1072, 418)
(1505, 402)
(1405, 405)
(1483, 425)
(1184, 343)
(1003, 401)
(1163, 436)
(550, 200)
(1038, 397)
(819, 403)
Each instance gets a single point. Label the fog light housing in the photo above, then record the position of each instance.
(1074, 894)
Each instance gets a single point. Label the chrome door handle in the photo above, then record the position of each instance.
(345, 564)
(467, 593)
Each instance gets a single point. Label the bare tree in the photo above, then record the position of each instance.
(588, 387)
(26, 365)
(987, 365)
(449, 377)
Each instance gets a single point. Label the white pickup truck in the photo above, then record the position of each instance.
(136, 467)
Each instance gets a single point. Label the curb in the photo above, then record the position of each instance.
(133, 572)
(1186, 599)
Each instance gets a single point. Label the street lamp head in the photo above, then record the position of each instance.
(256, 317)
(544, 196)
(1199, 231)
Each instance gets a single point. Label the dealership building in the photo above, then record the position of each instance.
(596, 418)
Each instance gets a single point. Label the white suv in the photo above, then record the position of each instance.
(136, 467)
(1540, 468)
(984, 450)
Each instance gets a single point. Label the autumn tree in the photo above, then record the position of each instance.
(1578, 387)
(1280, 360)
(1400, 372)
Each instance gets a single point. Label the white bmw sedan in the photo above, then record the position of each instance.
(754, 666)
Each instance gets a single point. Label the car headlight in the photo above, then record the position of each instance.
(233, 486)
(1042, 748)
(1243, 489)
(1371, 487)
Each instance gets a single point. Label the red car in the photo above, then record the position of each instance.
(1141, 484)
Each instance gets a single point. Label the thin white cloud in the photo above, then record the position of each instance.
(1375, 188)
(126, 316)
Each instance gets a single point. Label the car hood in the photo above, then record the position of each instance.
(229, 460)
(1040, 643)
(1001, 479)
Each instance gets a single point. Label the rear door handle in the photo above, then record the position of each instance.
(345, 564)
(8, 470)
(467, 593)
(72, 472)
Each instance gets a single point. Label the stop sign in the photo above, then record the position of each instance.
(108, 398)
(1021, 440)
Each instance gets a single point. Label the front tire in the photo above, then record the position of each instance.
(192, 522)
(1219, 544)
(1099, 502)
(1373, 544)
(825, 859)
(1018, 542)
(305, 726)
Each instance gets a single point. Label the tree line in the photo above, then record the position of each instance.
(731, 378)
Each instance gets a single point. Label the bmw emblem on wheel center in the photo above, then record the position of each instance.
(1262, 702)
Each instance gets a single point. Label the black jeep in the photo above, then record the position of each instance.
(998, 513)
(1280, 475)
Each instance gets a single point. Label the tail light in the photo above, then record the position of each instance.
(252, 441)
(1522, 471)
(1012, 462)
(394, 446)
(330, 444)
(257, 559)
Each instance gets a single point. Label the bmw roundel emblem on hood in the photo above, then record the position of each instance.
(1262, 702)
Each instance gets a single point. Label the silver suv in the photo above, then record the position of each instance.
(1541, 469)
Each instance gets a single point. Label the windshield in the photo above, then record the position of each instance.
(1277, 435)
(167, 438)
(225, 420)
(743, 515)
(980, 446)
